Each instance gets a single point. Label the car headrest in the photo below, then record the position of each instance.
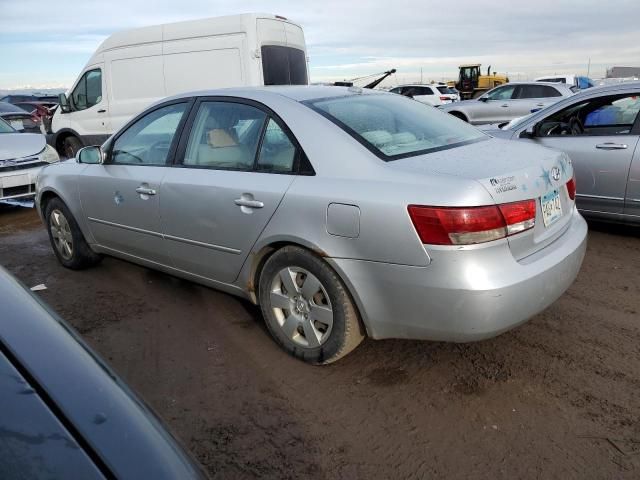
(219, 138)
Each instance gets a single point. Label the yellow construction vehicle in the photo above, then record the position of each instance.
(471, 83)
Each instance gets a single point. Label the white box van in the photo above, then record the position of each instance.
(134, 68)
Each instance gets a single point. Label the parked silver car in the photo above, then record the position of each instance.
(599, 128)
(22, 155)
(340, 211)
(508, 101)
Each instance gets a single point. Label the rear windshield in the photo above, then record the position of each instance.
(393, 127)
(284, 65)
(445, 90)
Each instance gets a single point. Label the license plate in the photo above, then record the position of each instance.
(17, 124)
(551, 208)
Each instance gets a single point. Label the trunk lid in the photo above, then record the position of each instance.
(509, 171)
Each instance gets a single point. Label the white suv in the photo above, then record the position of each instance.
(434, 95)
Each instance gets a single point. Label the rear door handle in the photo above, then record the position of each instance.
(539, 104)
(245, 202)
(145, 190)
(611, 146)
(102, 110)
(504, 105)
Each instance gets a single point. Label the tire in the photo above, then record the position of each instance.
(299, 321)
(66, 238)
(70, 146)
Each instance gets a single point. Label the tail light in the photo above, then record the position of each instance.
(444, 99)
(470, 225)
(571, 188)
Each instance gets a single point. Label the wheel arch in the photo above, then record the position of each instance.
(260, 256)
(460, 115)
(62, 135)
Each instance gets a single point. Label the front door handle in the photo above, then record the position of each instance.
(245, 202)
(142, 190)
(539, 104)
(611, 146)
(102, 110)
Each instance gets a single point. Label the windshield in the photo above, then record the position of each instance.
(5, 127)
(284, 65)
(393, 127)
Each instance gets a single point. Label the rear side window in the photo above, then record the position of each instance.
(537, 91)
(393, 127)
(284, 65)
(277, 153)
(225, 135)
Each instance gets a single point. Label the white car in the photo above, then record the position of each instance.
(434, 95)
(22, 155)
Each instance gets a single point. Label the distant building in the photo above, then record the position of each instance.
(623, 72)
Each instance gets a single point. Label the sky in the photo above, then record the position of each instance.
(45, 44)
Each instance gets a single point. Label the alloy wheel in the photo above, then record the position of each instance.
(301, 306)
(61, 233)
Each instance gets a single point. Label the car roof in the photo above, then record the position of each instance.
(299, 93)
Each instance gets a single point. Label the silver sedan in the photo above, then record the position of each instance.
(341, 212)
(509, 101)
(600, 129)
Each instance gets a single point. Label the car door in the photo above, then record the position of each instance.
(234, 165)
(632, 197)
(533, 97)
(600, 134)
(120, 198)
(495, 106)
(426, 95)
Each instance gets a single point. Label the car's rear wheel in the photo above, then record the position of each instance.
(307, 308)
(66, 238)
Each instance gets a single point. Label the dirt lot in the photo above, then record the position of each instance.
(556, 398)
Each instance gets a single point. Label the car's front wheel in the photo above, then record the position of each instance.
(66, 238)
(307, 308)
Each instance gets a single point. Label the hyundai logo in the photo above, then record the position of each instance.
(555, 173)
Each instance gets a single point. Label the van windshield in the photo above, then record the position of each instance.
(393, 127)
(284, 65)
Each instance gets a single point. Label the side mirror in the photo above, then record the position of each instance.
(90, 155)
(63, 101)
(529, 132)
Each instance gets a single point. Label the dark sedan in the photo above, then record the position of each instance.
(64, 413)
(19, 118)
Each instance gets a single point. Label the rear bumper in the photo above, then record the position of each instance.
(467, 294)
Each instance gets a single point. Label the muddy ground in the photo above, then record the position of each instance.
(557, 398)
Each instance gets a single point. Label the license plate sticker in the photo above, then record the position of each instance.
(551, 208)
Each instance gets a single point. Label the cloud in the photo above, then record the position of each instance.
(349, 39)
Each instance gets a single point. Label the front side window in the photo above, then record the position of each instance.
(284, 65)
(424, 91)
(607, 115)
(277, 153)
(88, 91)
(148, 141)
(225, 135)
(392, 127)
(502, 93)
